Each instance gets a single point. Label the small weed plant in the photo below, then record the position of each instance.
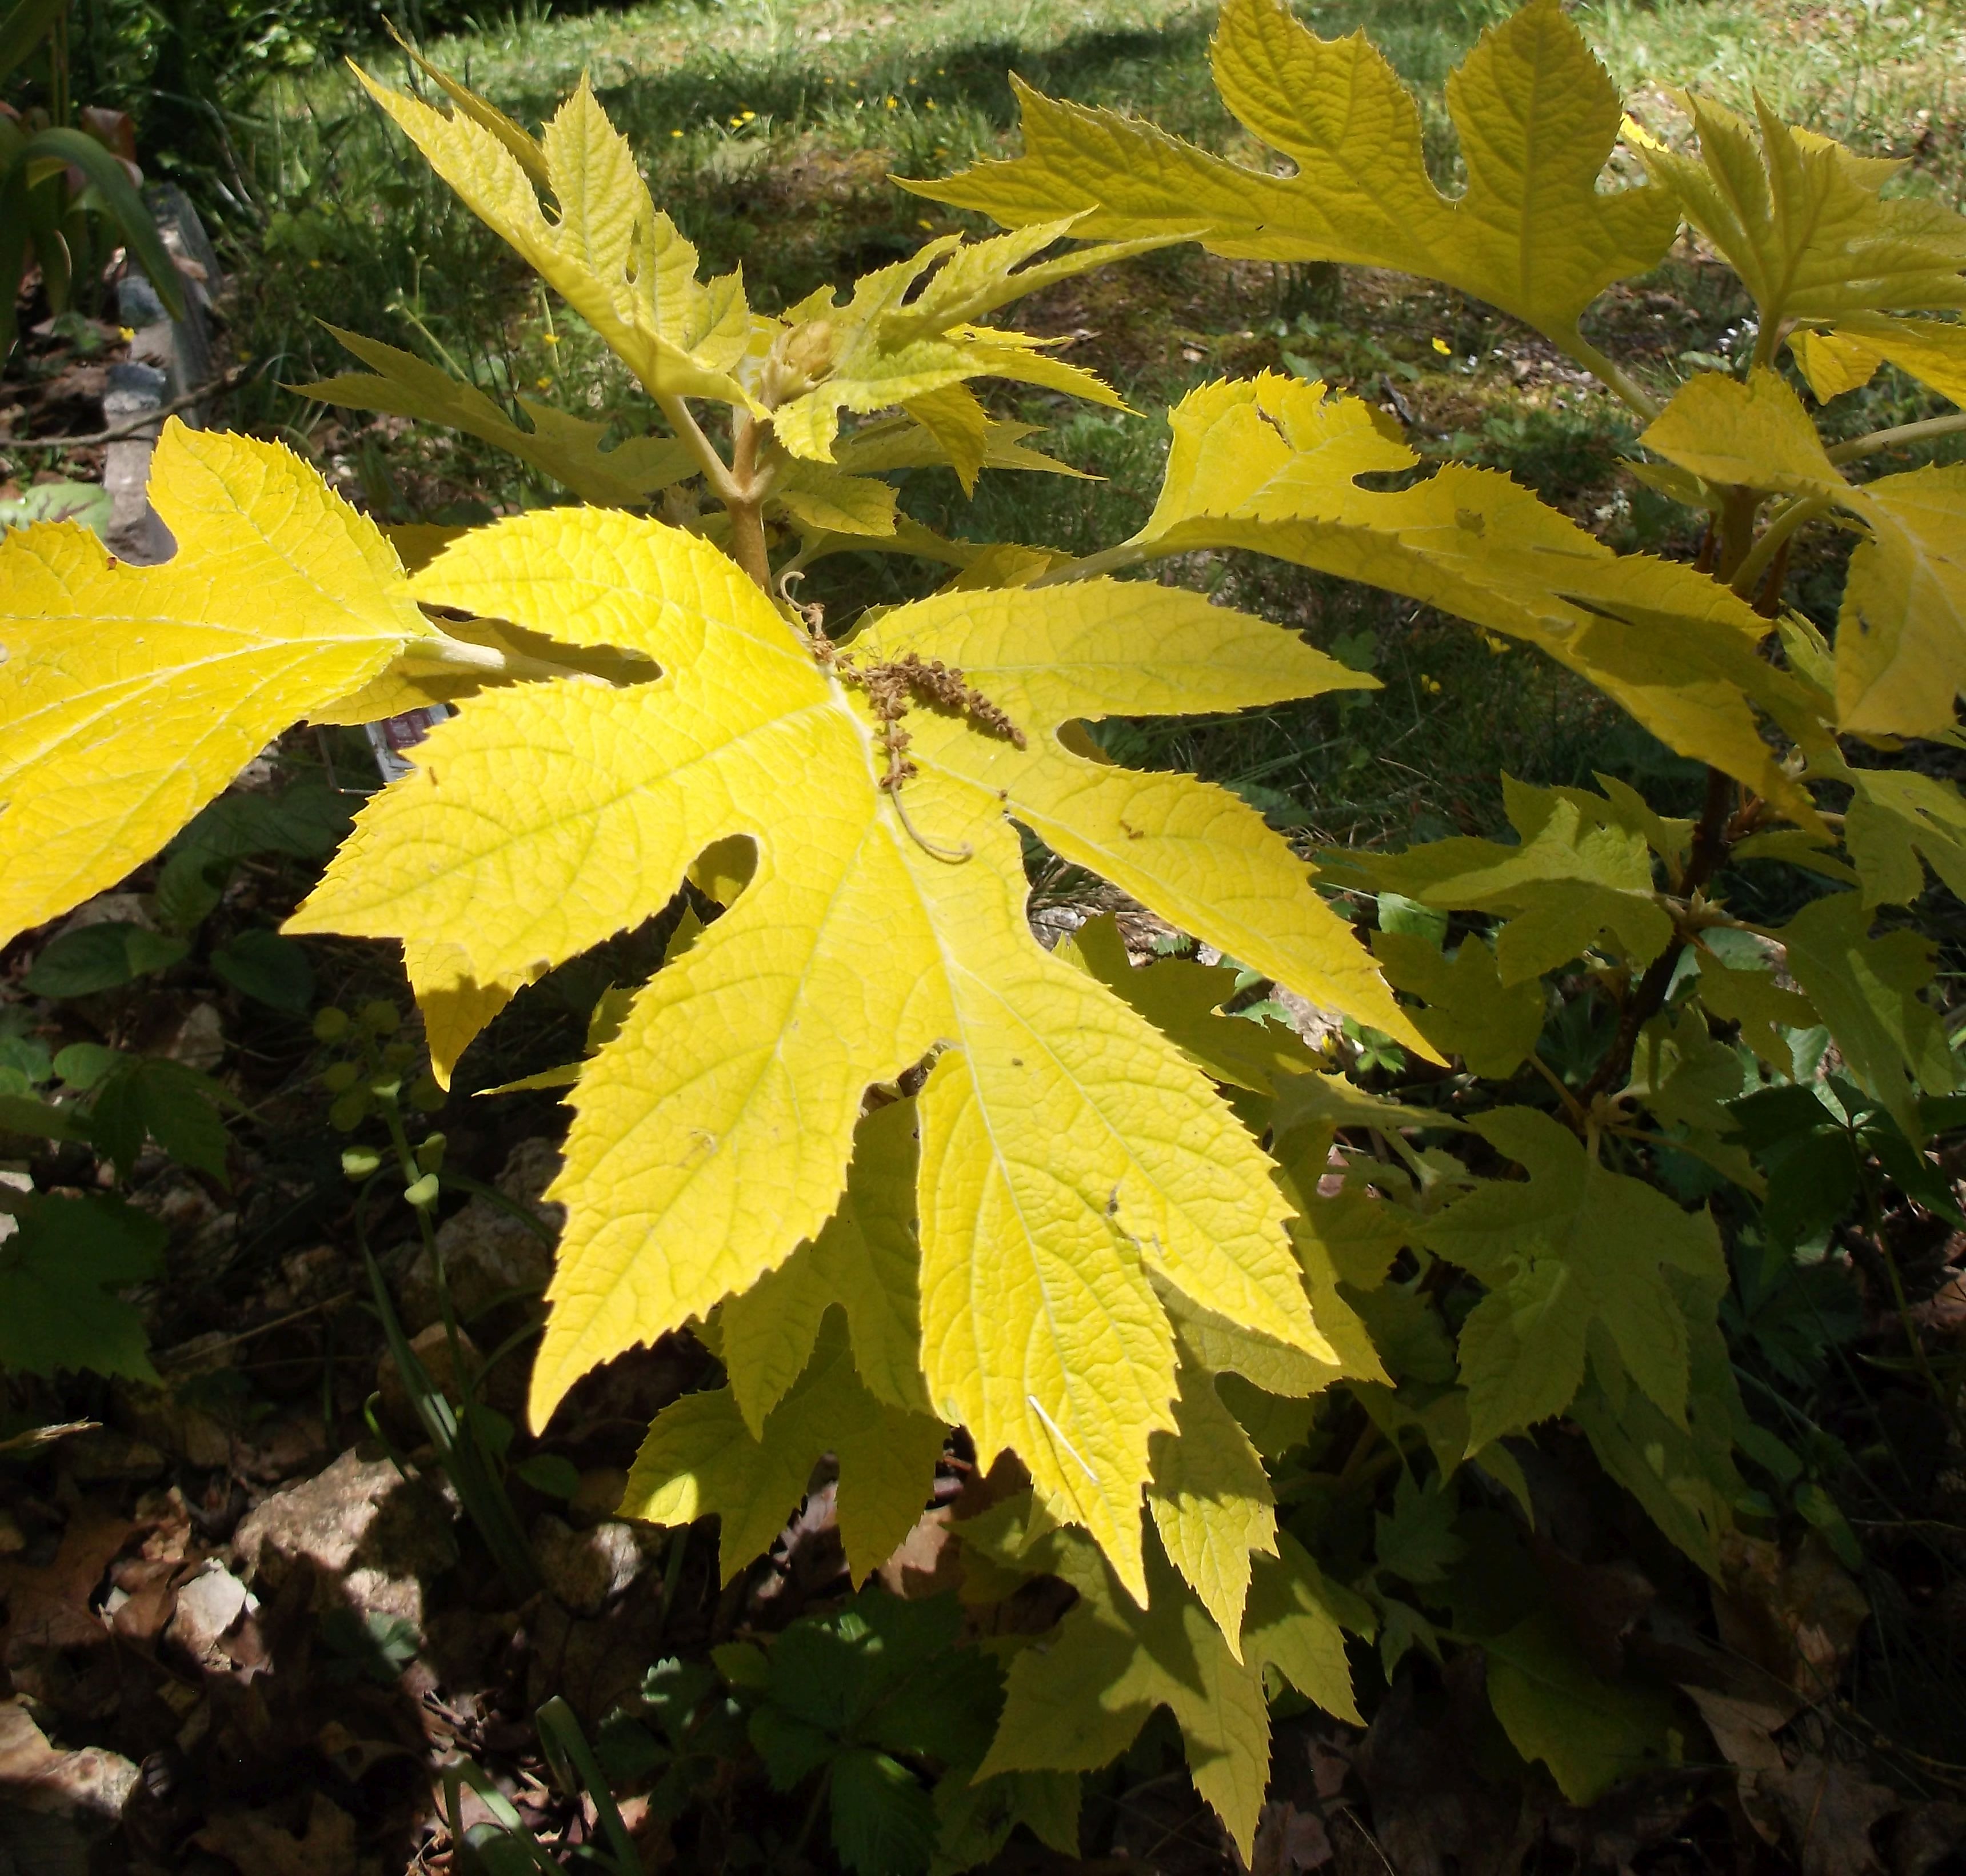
(1265, 1356)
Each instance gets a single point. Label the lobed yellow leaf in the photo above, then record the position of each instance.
(1270, 465)
(617, 261)
(699, 1459)
(132, 695)
(1901, 642)
(1801, 220)
(1069, 1150)
(1533, 234)
(568, 449)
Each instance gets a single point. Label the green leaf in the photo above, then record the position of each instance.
(1590, 1733)
(100, 957)
(57, 1267)
(1417, 1541)
(81, 1065)
(34, 1119)
(105, 173)
(1867, 989)
(974, 1817)
(150, 1096)
(1576, 1250)
(1471, 1013)
(552, 1473)
(1182, 1000)
(1683, 1475)
(883, 1816)
(270, 969)
(25, 25)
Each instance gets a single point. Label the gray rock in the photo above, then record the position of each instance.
(586, 1570)
(208, 1604)
(373, 1537)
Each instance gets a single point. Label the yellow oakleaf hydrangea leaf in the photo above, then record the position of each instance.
(1077, 1702)
(865, 1260)
(908, 336)
(1182, 1000)
(699, 1459)
(1470, 1012)
(1801, 220)
(1211, 1502)
(1067, 1148)
(1897, 817)
(1574, 1259)
(1901, 641)
(1844, 357)
(1533, 234)
(1271, 465)
(621, 264)
(568, 449)
(133, 695)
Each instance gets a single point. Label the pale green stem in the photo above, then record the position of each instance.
(1614, 375)
(1128, 553)
(1858, 447)
(440, 653)
(716, 471)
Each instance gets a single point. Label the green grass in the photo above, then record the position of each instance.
(769, 131)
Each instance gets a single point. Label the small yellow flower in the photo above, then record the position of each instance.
(931, 104)
(893, 103)
(127, 333)
(745, 117)
(923, 224)
(1430, 685)
(1441, 346)
(545, 384)
(549, 338)
(314, 263)
(676, 133)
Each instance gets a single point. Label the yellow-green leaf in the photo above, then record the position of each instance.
(1802, 222)
(1901, 641)
(1575, 1250)
(1181, 999)
(901, 340)
(700, 1459)
(1754, 432)
(1897, 817)
(621, 264)
(1270, 465)
(132, 694)
(1533, 234)
(1471, 1013)
(1211, 1502)
(1867, 991)
(568, 449)
(866, 1259)
(1068, 1149)
(1933, 351)
(1078, 1701)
